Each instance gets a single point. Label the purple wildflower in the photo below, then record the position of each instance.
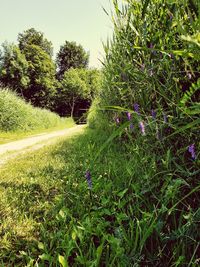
(191, 149)
(189, 76)
(165, 118)
(89, 180)
(117, 120)
(151, 45)
(153, 114)
(131, 127)
(136, 108)
(128, 115)
(142, 127)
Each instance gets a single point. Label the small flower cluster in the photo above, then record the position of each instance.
(89, 179)
(191, 149)
(136, 107)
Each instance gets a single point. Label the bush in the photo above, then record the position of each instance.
(17, 115)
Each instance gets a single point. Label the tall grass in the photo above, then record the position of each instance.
(143, 207)
(153, 62)
(134, 215)
(16, 115)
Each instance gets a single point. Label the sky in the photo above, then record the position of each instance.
(82, 21)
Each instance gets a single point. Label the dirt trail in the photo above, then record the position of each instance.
(13, 149)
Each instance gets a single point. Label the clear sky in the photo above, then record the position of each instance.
(82, 21)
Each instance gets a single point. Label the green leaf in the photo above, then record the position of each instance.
(99, 253)
(45, 257)
(122, 193)
(41, 246)
(62, 261)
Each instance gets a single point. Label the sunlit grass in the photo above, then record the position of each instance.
(129, 215)
(6, 137)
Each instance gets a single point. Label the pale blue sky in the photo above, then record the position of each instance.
(82, 21)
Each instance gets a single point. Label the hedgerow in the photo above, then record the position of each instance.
(17, 115)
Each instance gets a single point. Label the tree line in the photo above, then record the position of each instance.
(65, 85)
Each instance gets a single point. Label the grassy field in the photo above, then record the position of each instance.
(51, 214)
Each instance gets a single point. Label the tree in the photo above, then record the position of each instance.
(33, 37)
(14, 68)
(41, 72)
(69, 56)
(72, 90)
(76, 91)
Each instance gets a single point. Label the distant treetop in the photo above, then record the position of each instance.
(71, 55)
(33, 37)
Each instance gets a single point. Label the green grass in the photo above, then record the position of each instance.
(18, 116)
(138, 213)
(6, 137)
(143, 209)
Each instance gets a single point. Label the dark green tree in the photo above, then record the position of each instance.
(34, 37)
(14, 68)
(71, 55)
(41, 72)
(76, 91)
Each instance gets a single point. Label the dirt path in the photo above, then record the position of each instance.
(13, 149)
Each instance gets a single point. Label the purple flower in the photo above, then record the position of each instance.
(142, 127)
(117, 120)
(189, 76)
(191, 149)
(128, 115)
(151, 45)
(165, 118)
(89, 180)
(136, 108)
(131, 127)
(153, 114)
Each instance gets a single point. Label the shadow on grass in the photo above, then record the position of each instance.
(19, 252)
(29, 209)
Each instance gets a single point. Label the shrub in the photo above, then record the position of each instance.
(16, 114)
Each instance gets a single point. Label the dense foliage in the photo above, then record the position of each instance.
(14, 68)
(71, 55)
(78, 88)
(16, 115)
(41, 73)
(150, 101)
(33, 37)
(28, 69)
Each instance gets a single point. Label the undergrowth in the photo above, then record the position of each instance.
(140, 210)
